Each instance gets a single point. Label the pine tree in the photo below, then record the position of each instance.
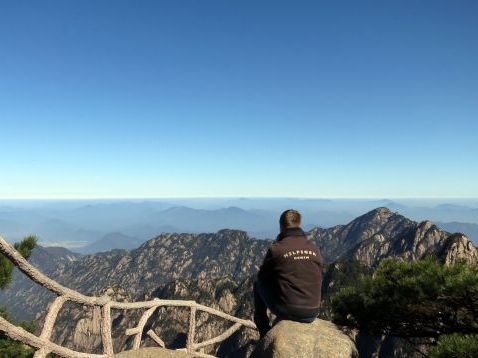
(25, 248)
(423, 299)
(8, 347)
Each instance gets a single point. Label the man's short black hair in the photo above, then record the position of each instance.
(290, 219)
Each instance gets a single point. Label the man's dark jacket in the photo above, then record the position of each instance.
(292, 273)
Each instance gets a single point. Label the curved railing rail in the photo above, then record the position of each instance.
(44, 346)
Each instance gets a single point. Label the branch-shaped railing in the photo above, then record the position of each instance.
(44, 345)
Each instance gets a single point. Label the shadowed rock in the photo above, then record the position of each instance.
(289, 339)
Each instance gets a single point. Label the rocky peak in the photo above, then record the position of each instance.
(371, 223)
(375, 217)
(459, 247)
(378, 225)
(381, 233)
(425, 225)
(381, 212)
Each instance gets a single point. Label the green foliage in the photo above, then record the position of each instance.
(25, 247)
(6, 271)
(412, 299)
(455, 346)
(11, 348)
(343, 274)
(346, 273)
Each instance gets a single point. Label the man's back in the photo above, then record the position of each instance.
(290, 279)
(292, 273)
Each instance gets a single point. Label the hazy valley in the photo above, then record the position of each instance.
(96, 226)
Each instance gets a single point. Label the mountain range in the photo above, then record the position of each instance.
(91, 225)
(215, 269)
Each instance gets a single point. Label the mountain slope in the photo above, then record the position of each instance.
(114, 240)
(382, 233)
(165, 258)
(217, 268)
(23, 298)
(369, 238)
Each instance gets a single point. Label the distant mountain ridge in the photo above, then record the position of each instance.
(114, 240)
(77, 224)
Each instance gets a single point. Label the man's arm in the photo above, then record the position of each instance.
(267, 265)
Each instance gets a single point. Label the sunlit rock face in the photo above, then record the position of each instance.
(292, 339)
(381, 234)
(459, 247)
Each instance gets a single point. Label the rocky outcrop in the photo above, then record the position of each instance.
(459, 248)
(288, 339)
(381, 234)
(77, 326)
(156, 263)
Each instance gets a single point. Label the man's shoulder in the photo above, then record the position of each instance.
(276, 247)
(299, 242)
(291, 241)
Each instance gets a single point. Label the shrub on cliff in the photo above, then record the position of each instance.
(421, 299)
(25, 248)
(343, 273)
(8, 347)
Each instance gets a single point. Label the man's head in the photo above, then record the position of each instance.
(289, 219)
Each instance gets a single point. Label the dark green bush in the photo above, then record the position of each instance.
(343, 273)
(455, 346)
(423, 299)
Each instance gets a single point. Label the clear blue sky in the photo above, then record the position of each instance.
(247, 98)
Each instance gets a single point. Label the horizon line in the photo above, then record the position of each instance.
(240, 197)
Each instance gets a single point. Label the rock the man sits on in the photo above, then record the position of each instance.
(290, 278)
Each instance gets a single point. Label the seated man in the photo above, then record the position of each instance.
(290, 279)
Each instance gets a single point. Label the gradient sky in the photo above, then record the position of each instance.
(238, 98)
